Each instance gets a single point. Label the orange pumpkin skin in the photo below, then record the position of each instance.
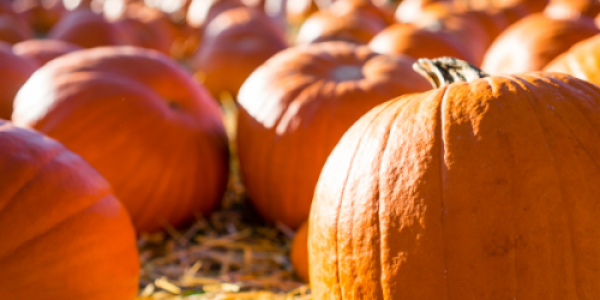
(299, 10)
(299, 252)
(487, 189)
(40, 14)
(87, 29)
(572, 8)
(14, 72)
(531, 43)
(365, 6)
(417, 42)
(234, 44)
(352, 26)
(141, 121)
(65, 236)
(150, 32)
(581, 61)
(43, 51)
(13, 28)
(296, 106)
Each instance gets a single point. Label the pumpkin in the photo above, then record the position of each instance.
(14, 71)
(299, 252)
(234, 44)
(64, 235)
(43, 51)
(365, 6)
(581, 61)
(354, 26)
(486, 188)
(294, 108)
(86, 29)
(473, 29)
(572, 8)
(410, 10)
(532, 6)
(147, 29)
(417, 42)
(141, 121)
(533, 42)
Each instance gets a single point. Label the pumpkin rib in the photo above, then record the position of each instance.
(107, 193)
(35, 174)
(443, 170)
(388, 131)
(528, 95)
(382, 108)
(574, 132)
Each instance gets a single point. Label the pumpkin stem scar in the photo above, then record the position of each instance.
(447, 70)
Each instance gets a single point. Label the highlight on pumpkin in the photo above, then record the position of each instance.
(299, 149)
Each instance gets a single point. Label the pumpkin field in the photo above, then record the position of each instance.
(299, 149)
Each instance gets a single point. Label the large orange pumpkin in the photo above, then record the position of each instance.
(486, 189)
(87, 29)
(14, 71)
(234, 44)
(43, 51)
(296, 106)
(417, 42)
(533, 42)
(141, 121)
(64, 235)
(581, 61)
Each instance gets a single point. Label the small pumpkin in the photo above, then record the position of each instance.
(14, 72)
(418, 42)
(43, 51)
(40, 14)
(64, 234)
(141, 121)
(84, 28)
(294, 108)
(234, 44)
(485, 187)
(201, 12)
(299, 252)
(354, 26)
(531, 43)
(299, 10)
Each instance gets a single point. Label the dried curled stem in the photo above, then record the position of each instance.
(446, 70)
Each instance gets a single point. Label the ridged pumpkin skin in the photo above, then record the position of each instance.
(419, 43)
(581, 61)
(480, 190)
(43, 51)
(64, 235)
(294, 109)
(235, 43)
(87, 29)
(14, 72)
(531, 43)
(299, 252)
(141, 121)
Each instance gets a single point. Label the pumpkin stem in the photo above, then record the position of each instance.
(446, 70)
